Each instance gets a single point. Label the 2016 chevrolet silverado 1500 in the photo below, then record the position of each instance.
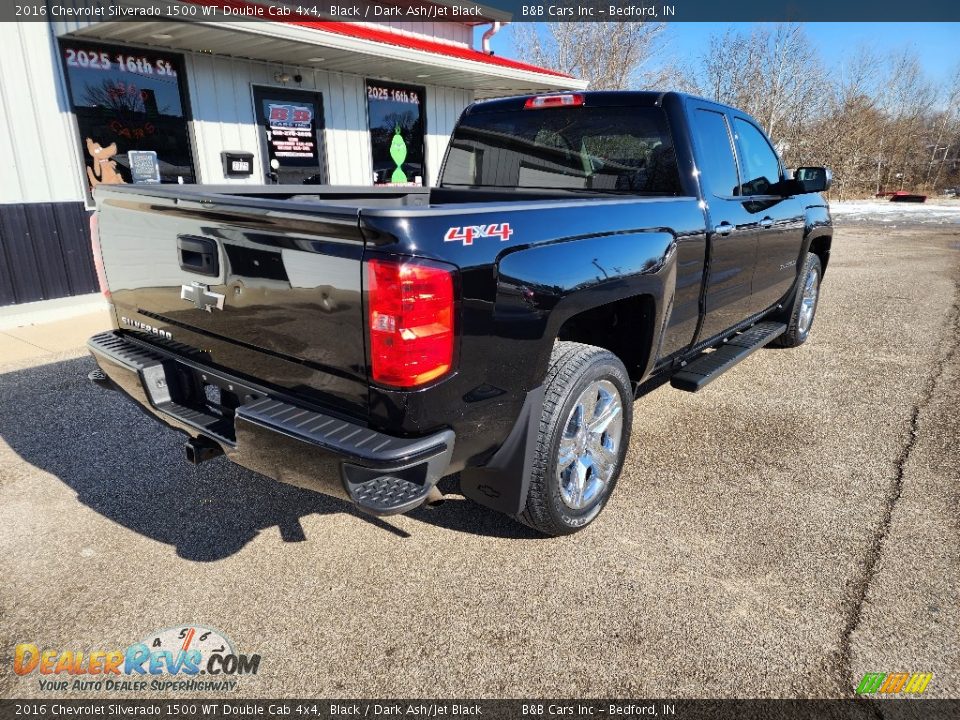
(367, 342)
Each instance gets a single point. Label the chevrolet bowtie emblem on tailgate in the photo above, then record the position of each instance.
(201, 296)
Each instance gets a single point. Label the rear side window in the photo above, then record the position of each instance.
(717, 161)
(605, 149)
(761, 168)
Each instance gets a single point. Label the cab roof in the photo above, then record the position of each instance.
(592, 98)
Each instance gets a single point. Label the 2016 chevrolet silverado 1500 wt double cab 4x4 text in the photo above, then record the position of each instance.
(366, 342)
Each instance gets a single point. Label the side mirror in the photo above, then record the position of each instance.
(813, 179)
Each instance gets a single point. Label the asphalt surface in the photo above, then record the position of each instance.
(780, 533)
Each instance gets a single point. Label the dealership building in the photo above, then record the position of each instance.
(84, 102)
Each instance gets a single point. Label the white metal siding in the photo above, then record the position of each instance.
(221, 99)
(444, 106)
(37, 136)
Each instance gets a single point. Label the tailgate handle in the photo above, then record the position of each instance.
(198, 255)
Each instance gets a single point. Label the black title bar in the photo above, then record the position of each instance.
(240, 709)
(488, 10)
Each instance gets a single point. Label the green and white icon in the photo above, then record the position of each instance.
(398, 151)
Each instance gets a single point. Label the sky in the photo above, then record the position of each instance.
(937, 44)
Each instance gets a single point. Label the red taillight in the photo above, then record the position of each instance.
(97, 255)
(549, 101)
(410, 313)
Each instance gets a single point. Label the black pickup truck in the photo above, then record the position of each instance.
(579, 249)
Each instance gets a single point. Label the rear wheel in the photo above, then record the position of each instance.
(582, 441)
(804, 306)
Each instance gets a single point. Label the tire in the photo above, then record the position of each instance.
(567, 495)
(803, 308)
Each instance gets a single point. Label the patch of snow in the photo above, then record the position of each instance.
(942, 212)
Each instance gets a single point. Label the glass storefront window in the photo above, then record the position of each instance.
(395, 115)
(131, 111)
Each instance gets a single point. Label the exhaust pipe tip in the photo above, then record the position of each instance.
(200, 449)
(434, 499)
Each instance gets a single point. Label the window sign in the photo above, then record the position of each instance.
(291, 131)
(396, 133)
(129, 101)
(144, 166)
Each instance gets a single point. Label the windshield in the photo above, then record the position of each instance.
(606, 149)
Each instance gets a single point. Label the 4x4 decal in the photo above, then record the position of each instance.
(469, 233)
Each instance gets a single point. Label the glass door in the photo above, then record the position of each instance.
(290, 125)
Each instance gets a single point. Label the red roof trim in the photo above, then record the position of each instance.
(363, 32)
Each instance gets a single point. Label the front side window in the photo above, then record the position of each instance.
(131, 112)
(761, 168)
(607, 149)
(395, 113)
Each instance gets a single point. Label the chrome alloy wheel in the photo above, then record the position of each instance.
(590, 445)
(808, 303)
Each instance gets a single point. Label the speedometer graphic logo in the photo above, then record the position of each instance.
(185, 638)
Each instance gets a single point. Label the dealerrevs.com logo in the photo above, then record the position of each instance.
(186, 658)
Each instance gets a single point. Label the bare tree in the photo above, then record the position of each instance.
(947, 133)
(906, 99)
(791, 80)
(772, 72)
(846, 135)
(725, 72)
(612, 56)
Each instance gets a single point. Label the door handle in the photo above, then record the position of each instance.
(724, 229)
(766, 222)
(198, 255)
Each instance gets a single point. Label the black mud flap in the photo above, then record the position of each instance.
(503, 482)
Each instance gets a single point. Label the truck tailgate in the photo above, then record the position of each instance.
(267, 288)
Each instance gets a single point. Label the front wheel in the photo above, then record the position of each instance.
(804, 306)
(582, 440)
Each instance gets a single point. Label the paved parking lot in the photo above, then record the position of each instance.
(782, 532)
